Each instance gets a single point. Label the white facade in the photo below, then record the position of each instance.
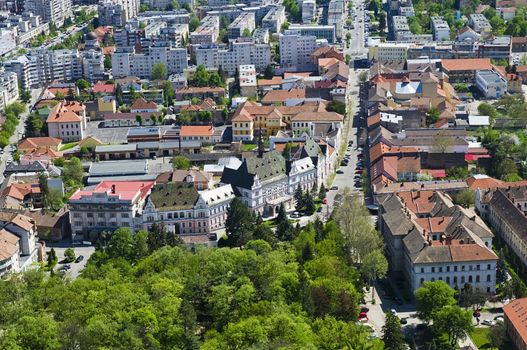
(128, 63)
(390, 51)
(208, 214)
(42, 66)
(240, 52)
(8, 88)
(55, 11)
(440, 29)
(295, 49)
(479, 22)
(303, 173)
(207, 32)
(480, 274)
(336, 16)
(245, 21)
(117, 12)
(7, 40)
(274, 19)
(491, 84)
(309, 10)
(93, 66)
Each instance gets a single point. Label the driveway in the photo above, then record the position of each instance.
(76, 268)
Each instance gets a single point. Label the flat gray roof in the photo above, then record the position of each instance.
(119, 168)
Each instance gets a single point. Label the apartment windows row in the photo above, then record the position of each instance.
(462, 280)
(456, 268)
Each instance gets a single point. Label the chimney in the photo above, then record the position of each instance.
(473, 218)
(448, 240)
(113, 189)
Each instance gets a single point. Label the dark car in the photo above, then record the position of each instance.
(79, 259)
(334, 188)
(404, 321)
(340, 172)
(319, 210)
(364, 309)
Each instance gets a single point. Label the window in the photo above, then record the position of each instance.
(448, 269)
(125, 215)
(463, 279)
(477, 279)
(422, 280)
(477, 267)
(433, 269)
(455, 280)
(488, 266)
(441, 269)
(448, 280)
(470, 279)
(462, 267)
(488, 278)
(455, 268)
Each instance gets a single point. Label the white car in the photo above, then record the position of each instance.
(488, 322)
(394, 312)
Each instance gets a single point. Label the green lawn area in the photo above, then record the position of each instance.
(66, 146)
(247, 147)
(480, 338)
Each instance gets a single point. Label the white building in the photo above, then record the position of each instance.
(242, 23)
(8, 88)
(55, 11)
(117, 12)
(491, 84)
(440, 29)
(110, 205)
(274, 19)
(295, 49)
(336, 16)
(248, 86)
(400, 27)
(302, 172)
(93, 65)
(126, 62)
(207, 32)
(42, 66)
(184, 209)
(479, 22)
(8, 40)
(67, 121)
(309, 10)
(389, 51)
(240, 51)
(18, 242)
(318, 31)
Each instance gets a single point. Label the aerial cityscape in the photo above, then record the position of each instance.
(266, 174)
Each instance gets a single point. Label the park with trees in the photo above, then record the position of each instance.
(149, 291)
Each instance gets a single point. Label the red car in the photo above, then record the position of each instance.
(363, 315)
(325, 201)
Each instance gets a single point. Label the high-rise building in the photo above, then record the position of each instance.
(55, 11)
(117, 12)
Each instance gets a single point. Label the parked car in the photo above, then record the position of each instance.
(488, 322)
(334, 188)
(404, 321)
(499, 319)
(364, 309)
(325, 201)
(394, 312)
(340, 172)
(79, 258)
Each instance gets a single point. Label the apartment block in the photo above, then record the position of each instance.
(42, 66)
(389, 51)
(295, 48)
(491, 84)
(239, 52)
(248, 86)
(318, 31)
(117, 12)
(274, 19)
(207, 32)
(55, 11)
(399, 27)
(309, 11)
(110, 205)
(242, 23)
(479, 22)
(440, 29)
(126, 62)
(336, 16)
(8, 88)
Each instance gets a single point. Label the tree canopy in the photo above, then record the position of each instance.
(133, 295)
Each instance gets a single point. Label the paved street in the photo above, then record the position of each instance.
(357, 33)
(76, 268)
(7, 152)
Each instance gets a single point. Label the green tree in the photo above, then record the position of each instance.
(431, 297)
(373, 267)
(336, 106)
(246, 33)
(38, 332)
(69, 254)
(454, 321)
(194, 23)
(52, 259)
(299, 198)
(465, 198)
(322, 192)
(501, 268)
(82, 84)
(201, 77)
(432, 116)
(392, 335)
(239, 224)
(73, 171)
(497, 335)
(487, 109)
(169, 94)
(139, 119)
(159, 71)
(107, 62)
(121, 244)
(180, 162)
(118, 94)
(25, 95)
(54, 200)
(17, 108)
(309, 203)
(141, 249)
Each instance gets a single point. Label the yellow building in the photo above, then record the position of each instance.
(106, 104)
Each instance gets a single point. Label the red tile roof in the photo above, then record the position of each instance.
(103, 88)
(66, 111)
(125, 190)
(39, 142)
(196, 130)
(141, 103)
(283, 95)
(516, 313)
(464, 64)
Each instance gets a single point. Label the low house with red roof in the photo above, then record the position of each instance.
(103, 88)
(110, 205)
(464, 70)
(141, 105)
(18, 196)
(67, 121)
(203, 133)
(44, 155)
(33, 143)
(282, 96)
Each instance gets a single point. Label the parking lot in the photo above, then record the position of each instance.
(76, 267)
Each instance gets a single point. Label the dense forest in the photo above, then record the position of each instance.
(138, 293)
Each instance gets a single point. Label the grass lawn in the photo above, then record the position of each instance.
(66, 146)
(247, 147)
(480, 338)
